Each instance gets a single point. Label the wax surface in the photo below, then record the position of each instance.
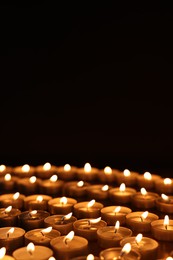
(40, 253)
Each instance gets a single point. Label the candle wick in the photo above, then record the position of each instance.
(30, 252)
(8, 235)
(65, 241)
(166, 227)
(42, 233)
(142, 219)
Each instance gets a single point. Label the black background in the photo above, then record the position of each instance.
(85, 82)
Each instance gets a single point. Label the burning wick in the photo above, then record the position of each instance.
(33, 213)
(93, 221)
(117, 225)
(68, 237)
(63, 201)
(7, 210)
(90, 204)
(45, 231)
(68, 216)
(30, 248)
(125, 250)
(80, 184)
(117, 210)
(10, 231)
(138, 239)
(2, 252)
(166, 221)
(144, 216)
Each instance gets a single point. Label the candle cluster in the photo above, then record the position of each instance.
(50, 212)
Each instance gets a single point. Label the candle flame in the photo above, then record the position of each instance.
(165, 197)
(32, 179)
(117, 209)
(117, 225)
(91, 203)
(126, 248)
(105, 188)
(67, 167)
(169, 258)
(39, 198)
(138, 238)
(69, 237)
(8, 209)
(90, 257)
(10, 231)
(167, 181)
(2, 252)
(126, 172)
(94, 221)
(63, 200)
(7, 177)
(46, 230)
(33, 212)
(68, 216)
(16, 195)
(30, 248)
(47, 166)
(166, 221)
(53, 178)
(80, 184)
(51, 258)
(147, 176)
(122, 187)
(144, 215)
(108, 170)
(143, 191)
(2, 167)
(87, 167)
(25, 168)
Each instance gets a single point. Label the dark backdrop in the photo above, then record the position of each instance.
(87, 82)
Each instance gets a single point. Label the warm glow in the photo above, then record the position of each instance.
(33, 212)
(169, 258)
(117, 209)
(138, 238)
(143, 191)
(46, 166)
(147, 176)
(87, 167)
(80, 184)
(117, 225)
(122, 187)
(105, 187)
(91, 203)
(165, 197)
(32, 179)
(144, 215)
(126, 172)
(90, 257)
(2, 252)
(51, 258)
(53, 178)
(167, 181)
(107, 170)
(67, 167)
(63, 200)
(94, 221)
(69, 237)
(25, 168)
(126, 248)
(30, 248)
(39, 198)
(166, 221)
(46, 230)
(68, 216)
(7, 177)
(2, 167)
(16, 195)
(8, 209)
(10, 231)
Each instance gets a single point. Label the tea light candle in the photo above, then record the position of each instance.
(69, 246)
(107, 175)
(11, 238)
(164, 185)
(3, 255)
(110, 236)
(76, 189)
(32, 251)
(24, 171)
(87, 173)
(129, 178)
(111, 214)
(9, 216)
(51, 186)
(32, 219)
(28, 185)
(5, 169)
(62, 223)
(140, 221)
(98, 192)
(40, 236)
(36, 201)
(8, 183)
(61, 205)
(87, 209)
(16, 200)
(144, 199)
(67, 172)
(147, 180)
(165, 204)
(120, 253)
(162, 229)
(46, 170)
(88, 257)
(147, 247)
(87, 228)
(121, 194)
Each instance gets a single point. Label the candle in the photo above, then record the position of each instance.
(11, 238)
(87, 228)
(41, 236)
(32, 251)
(87, 209)
(111, 214)
(69, 246)
(3, 255)
(165, 204)
(16, 200)
(144, 199)
(147, 180)
(98, 192)
(88, 257)
(164, 185)
(23, 171)
(51, 186)
(140, 221)
(32, 219)
(107, 175)
(28, 185)
(120, 253)
(9, 216)
(46, 170)
(87, 173)
(36, 201)
(162, 229)
(8, 183)
(110, 236)
(76, 189)
(62, 223)
(67, 172)
(5, 169)
(129, 178)
(121, 194)
(61, 205)
(147, 247)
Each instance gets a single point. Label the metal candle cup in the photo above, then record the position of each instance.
(121, 195)
(116, 252)
(16, 200)
(9, 218)
(83, 210)
(129, 178)
(36, 202)
(144, 201)
(62, 205)
(67, 172)
(51, 187)
(111, 214)
(161, 231)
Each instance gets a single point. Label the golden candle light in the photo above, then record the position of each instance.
(98, 192)
(162, 229)
(67, 172)
(121, 194)
(3, 255)
(147, 180)
(51, 186)
(36, 201)
(164, 186)
(87, 173)
(107, 175)
(80, 183)
(128, 177)
(8, 183)
(45, 171)
(144, 199)
(165, 204)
